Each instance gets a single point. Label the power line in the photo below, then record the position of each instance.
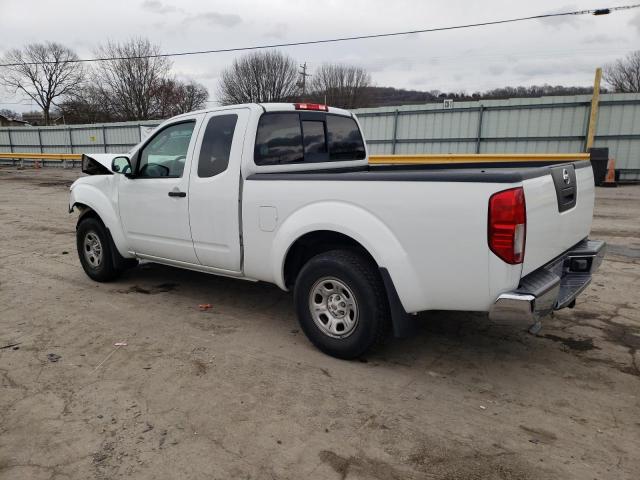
(594, 11)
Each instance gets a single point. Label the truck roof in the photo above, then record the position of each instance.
(279, 107)
(266, 107)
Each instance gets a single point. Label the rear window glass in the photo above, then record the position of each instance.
(285, 138)
(279, 139)
(216, 145)
(315, 142)
(345, 141)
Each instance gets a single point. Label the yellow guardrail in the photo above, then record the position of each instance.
(41, 156)
(425, 159)
(429, 159)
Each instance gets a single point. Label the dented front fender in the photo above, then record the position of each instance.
(99, 194)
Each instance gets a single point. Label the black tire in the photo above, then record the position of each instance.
(103, 270)
(361, 279)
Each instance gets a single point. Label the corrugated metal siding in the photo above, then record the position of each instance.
(108, 137)
(519, 125)
(55, 137)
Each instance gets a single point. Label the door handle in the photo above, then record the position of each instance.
(175, 193)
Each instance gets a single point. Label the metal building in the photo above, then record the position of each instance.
(521, 125)
(116, 137)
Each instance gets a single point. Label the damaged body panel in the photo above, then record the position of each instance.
(98, 163)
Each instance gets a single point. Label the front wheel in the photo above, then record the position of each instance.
(95, 250)
(342, 304)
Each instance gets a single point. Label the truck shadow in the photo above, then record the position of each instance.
(453, 341)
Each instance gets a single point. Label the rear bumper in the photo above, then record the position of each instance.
(551, 287)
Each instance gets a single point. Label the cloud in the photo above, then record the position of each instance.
(212, 18)
(497, 69)
(155, 6)
(603, 38)
(216, 18)
(559, 22)
(540, 68)
(278, 31)
(421, 81)
(382, 64)
(635, 22)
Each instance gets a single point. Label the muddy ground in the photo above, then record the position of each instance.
(238, 392)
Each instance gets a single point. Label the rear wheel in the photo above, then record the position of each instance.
(95, 250)
(342, 304)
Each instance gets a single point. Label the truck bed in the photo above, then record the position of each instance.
(435, 215)
(503, 172)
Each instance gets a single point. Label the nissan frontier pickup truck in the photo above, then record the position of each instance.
(284, 193)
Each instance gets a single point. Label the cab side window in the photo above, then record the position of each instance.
(166, 153)
(216, 145)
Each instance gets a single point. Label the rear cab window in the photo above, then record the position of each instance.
(216, 145)
(304, 137)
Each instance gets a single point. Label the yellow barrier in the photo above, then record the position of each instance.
(429, 159)
(42, 156)
(425, 159)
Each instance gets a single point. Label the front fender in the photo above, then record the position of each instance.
(360, 225)
(98, 193)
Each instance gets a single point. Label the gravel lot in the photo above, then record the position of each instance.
(238, 392)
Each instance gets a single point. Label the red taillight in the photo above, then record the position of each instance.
(312, 106)
(507, 229)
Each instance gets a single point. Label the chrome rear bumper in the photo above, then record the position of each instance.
(552, 287)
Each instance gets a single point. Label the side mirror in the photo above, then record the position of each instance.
(121, 165)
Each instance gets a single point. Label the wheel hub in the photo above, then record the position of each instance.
(92, 249)
(336, 305)
(333, 307)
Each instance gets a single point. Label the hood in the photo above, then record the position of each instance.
(98, 163)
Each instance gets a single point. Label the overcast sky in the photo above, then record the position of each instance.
(563, 51)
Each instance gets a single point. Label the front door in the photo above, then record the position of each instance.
(214, 189)
(154, 204)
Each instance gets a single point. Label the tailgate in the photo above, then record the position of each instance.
(559, 212)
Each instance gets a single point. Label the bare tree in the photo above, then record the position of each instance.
(343, 86)
(174, 97)
(130, 79)
(87, 106)
(193, 96)
(624, 74)
(5, 112)
(259, 77)
(43, 72)
(128, 85)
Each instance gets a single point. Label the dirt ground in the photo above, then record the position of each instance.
(238, 392)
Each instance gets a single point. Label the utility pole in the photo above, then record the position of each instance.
(303, 81)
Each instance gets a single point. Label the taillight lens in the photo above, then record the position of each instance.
(508, 225)
(312, 106)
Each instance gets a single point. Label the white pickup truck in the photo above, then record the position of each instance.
(284, 193)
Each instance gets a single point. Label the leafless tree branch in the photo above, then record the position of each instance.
(259, 77)
(343, 86)
(624, 74)
(44, 83)
(130, 83)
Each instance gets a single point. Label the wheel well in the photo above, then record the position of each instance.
(86, 212)
(314, 243)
